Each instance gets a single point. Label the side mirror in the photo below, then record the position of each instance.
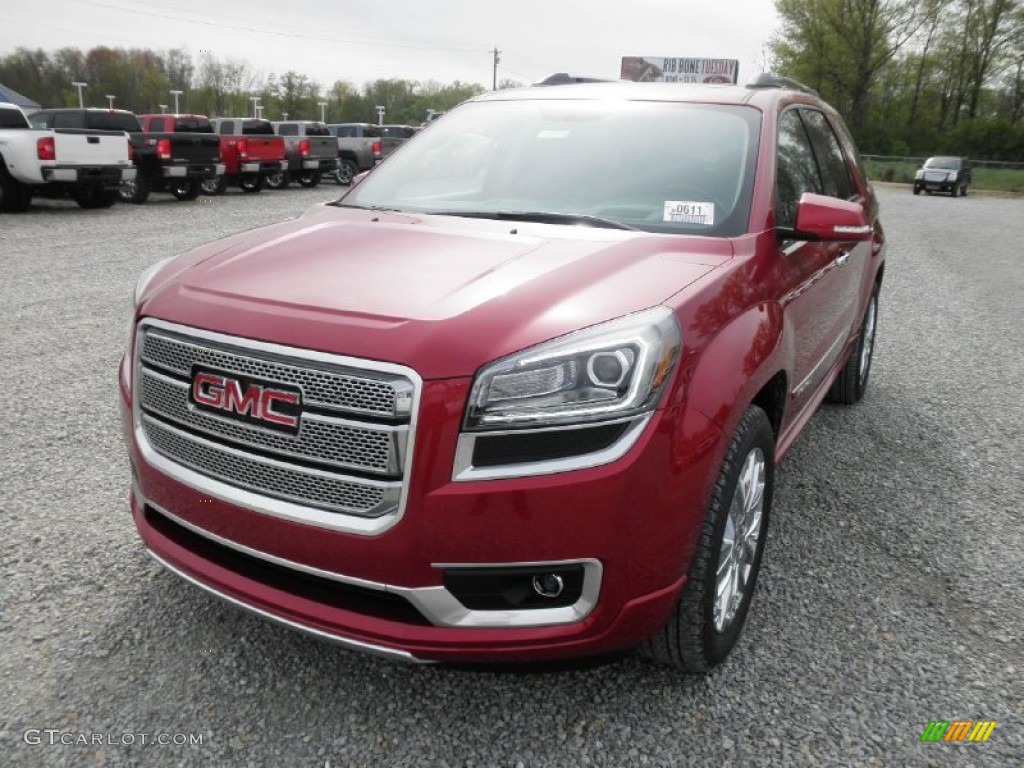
(828, 218)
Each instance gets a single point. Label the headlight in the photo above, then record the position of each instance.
(951, 176)
(140, 288)
(919, 175)
(613, 370)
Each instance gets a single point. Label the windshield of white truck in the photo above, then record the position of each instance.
(654, 166)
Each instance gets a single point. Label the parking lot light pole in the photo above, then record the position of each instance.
(284, 115)
(163, 109)
(380, 115)
(255, 105)
(110, 100)
(323, 114)
(176, 94)
(79, 86)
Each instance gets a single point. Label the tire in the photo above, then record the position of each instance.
(278, 180)
(347, 171)
(955, 191)
(917, 190)
(712, 608)
(251, 183)
(852, 381)
(310, 179)
(15, 197)
(188, 190)
(93, 197)
(214, 186)
(963, 190)
(136, 191)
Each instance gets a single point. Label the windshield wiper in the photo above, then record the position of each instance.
(544, 217)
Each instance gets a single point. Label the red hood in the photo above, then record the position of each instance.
(442, 295)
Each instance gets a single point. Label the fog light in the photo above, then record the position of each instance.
(548, 585)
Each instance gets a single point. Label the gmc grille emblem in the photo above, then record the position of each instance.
(244, 399)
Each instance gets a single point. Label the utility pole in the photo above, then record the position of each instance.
(79, 86)
(497, 58)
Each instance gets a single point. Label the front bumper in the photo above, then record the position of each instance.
(634, 522)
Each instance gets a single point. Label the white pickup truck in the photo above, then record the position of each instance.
(89, 165)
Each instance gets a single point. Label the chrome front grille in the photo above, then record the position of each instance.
(376, 450)
(349, 457)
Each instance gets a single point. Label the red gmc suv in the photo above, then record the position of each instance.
(521, 392)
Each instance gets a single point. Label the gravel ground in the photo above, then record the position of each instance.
(891, 593)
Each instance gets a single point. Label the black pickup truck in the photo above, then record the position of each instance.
(166, 162)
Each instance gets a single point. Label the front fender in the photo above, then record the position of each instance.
(736, 363)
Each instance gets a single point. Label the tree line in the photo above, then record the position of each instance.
(142, 80)
(913, 77)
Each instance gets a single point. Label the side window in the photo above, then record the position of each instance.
(835, 175)
(156, 125)
(796, 171)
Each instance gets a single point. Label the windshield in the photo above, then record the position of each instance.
(943, 163)
(112, 121)
(193, 125)
(654, 166)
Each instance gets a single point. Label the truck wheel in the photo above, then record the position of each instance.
(310, 179)
(188, 190)
(852, 382)
(279, 180)
(963, 190)
(214, 186)
(94, 197)
(708, 619)
(15, 197)
(917, 190)
(251, 183)
(135, 191)
(347, 171)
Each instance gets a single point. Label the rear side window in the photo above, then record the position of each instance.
(796, 169)
(835, 175)
(156, 125)
(317, 129)
(287, 129)
(371, 131)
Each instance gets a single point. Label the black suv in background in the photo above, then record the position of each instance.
(943, 174)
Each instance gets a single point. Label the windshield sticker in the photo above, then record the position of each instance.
(552, 134)
(686, 212)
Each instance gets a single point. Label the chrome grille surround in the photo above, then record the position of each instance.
(345, 470)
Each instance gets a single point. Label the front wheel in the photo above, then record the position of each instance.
(278, 180)
(852, 382)
(963, 190)
(251, 183)
(310, 179)
(135, 191)
(347, 171)
(188, 190)
(214, 186)
(712, 607)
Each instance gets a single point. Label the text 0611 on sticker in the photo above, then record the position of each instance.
(687, 212)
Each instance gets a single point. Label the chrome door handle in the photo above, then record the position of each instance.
(842, 258)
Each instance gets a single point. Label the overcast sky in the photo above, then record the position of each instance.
(444, 40)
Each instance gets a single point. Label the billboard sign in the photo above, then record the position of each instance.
(661, 69)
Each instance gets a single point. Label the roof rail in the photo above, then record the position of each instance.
(564, 78)
(766, 80)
